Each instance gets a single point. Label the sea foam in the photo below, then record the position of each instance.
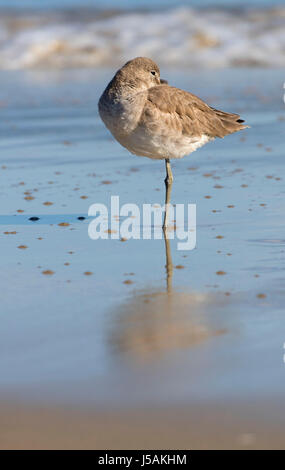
(181, 36)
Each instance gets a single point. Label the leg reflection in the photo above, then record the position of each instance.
(169, 264)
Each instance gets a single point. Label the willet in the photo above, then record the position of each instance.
(155, 120)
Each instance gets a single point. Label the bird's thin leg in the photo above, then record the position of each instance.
(168, 186)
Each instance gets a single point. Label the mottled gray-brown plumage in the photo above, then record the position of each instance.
(151, 118)
(155, 120)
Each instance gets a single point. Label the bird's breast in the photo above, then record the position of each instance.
(121, 115)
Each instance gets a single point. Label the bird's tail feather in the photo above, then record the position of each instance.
(230, 121)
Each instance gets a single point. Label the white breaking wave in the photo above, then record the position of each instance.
(182, 36)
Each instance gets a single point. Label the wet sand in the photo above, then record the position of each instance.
(99, 334)
(186, 428)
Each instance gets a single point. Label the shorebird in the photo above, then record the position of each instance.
(155, 120)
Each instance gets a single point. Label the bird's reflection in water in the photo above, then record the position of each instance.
(154, 322)
(169, 264)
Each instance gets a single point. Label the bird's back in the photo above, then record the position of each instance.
(192, 115)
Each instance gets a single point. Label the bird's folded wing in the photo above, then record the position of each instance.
(192, 115)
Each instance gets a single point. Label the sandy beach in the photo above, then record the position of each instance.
(122, 343)
(89, 360)
(185, 428)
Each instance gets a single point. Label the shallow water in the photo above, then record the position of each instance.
(69, 337)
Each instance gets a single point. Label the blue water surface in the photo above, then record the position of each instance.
(127, 4)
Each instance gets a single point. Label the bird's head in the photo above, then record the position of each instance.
(140, 73)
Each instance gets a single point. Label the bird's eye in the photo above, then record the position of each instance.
(153, 72)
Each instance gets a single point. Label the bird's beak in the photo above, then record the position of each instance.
(163, 82)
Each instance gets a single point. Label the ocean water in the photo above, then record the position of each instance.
(88, 340)
(109, 324)
(127, 4)
(186, 35)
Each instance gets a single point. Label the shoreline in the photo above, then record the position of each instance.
(213, 359)
(183, 427)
